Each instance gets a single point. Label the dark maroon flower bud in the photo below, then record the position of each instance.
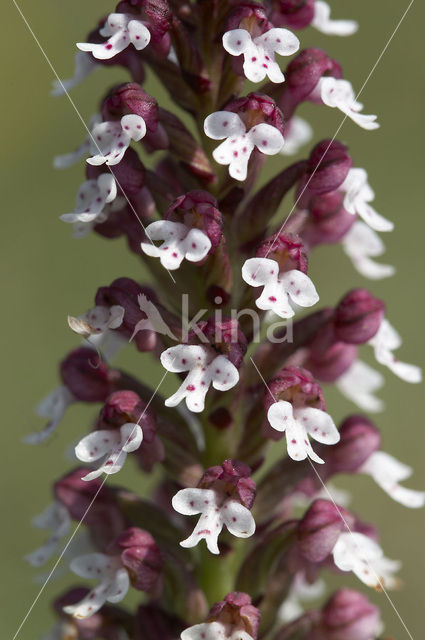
(129, 175)
(126, 406)
(87, 377)
(198, 209)
(255, 108)
(232, 478)
(302, 75)
(141, 557)
(358, 316)
(296, 14)
(226, 337)
(250, 16)
(236, 611)
(348, 615)
(319, 530)
(125, 292)
(328, 221)
(92, 502)
(152, 623)
(328, 358)
(287, 249)
(359, 439)
(217, 296)
(327, 168)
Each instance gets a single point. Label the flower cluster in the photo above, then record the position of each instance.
(243, 567)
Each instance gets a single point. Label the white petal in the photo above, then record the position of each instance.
(260, 271)
(280, 415)
(323, 23)
(359, 383)
(84, 65)
(134, 126)
(283, 41)
(387, 471)
(236, 41)
(92, 565)
(68, 159)
(53, 408)
(238, 519)
(204, 631)
(359, 243)
(298, 133)
(266, 138)
(373, 218)
(224, 374)
(222, 124)
(339, 93)
(96, 444)
(196, 245)
(183, 357)
(192, 501)
(318, 424)
(131, 436)
(299, 286)
(298, 444)
(140, 35)
(55, 518)
(119, 586)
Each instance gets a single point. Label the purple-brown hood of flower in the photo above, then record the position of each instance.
(287, 249)
(255, 108)
(233, 478)
(142, 558)
(236, 609)
(226, 337)
(359, 439)
(296, 14)
(349, 615)
(358, 316)
(198, 209)
(87, 377)
(126, 406)
(319, 530)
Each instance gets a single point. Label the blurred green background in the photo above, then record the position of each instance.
(47, 274)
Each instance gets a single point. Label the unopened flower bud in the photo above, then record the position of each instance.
(233, 478)
(198, 210)
(227, 338)
(358, 316)
(87, 377)
(327, 168)
(287, 250)
(319, 530)
(359, 439)
(141, 557)
(348, 615)
(296, 14)
(236, 612)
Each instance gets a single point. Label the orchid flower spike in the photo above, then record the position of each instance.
(297, 133)
(213, 631)
(113, 445)
(110, 140)
(259, 52)
(322, 22)
(204, 367)
(92, 197)
(279, 287)
(340, 94)
(84, 65)
(298, 424)
(236, 150)
(121, 30)
(358, 194)
(113, 584)
(387, 472)
(68, 159)
(179, 242)
(363, 556)
(53, 408)
(56, 519)
(361, 243)
(97, 320)
(216, 511)
(359, 384)
(384, 342)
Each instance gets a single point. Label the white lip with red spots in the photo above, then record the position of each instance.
(384, 342)
(358, 195)
(97, 320)
(121, 30)
(340, 94)
(205, 369)
(113, 446)
(324, 24)
(110, 140)
(179, 242)
(279, 288)
(387, 473)
(364, 557)
(92, 197)
(214, 631)
(216, 511)
(236, 150)
(259, 52)
(298, 424)
(113, 584)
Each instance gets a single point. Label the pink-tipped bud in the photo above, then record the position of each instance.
(349, 615)
(287, 249)
(359, 439)
(328, 221)
(319, 529)
(232, 478)
(296, 14)
(198, 209)
(87, 377)
(358, 316)
(141, 557)
(255, 108)
(327, 168)
(237, 612)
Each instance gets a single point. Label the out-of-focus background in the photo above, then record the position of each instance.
(47, 274)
